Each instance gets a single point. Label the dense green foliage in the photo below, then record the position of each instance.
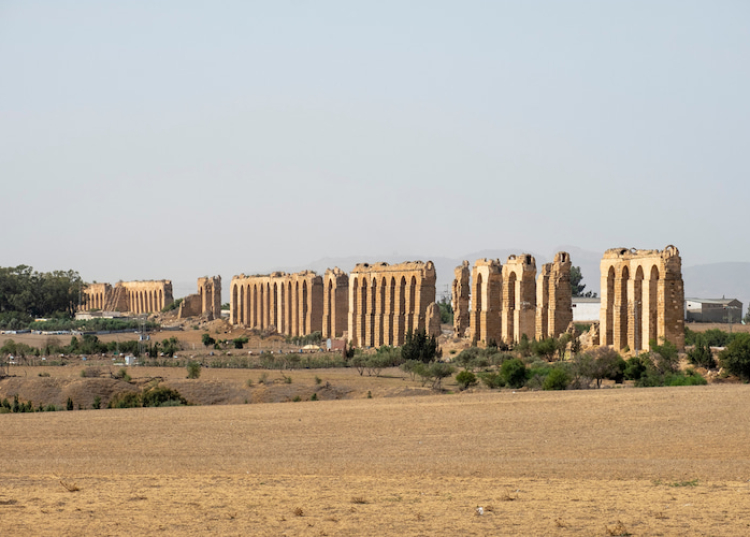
(576, 286)
(26, 294)
(420, 347)
(736, 357)
(92, 325)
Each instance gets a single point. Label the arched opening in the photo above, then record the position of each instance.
(353, 307)
(247, 311)
(391, 310)
(624, 307)
(242, 307)
(609, 337)
(413, 313)
(365, 313)
(478, 303)
(512, 307)
(329, 309)
(381, 322)
(639, 320)
(304, 308)
(234, 304)
(653, 306)
(282, 328)
(275, 305)
(262, 309)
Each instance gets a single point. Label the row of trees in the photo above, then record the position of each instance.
(26, 294)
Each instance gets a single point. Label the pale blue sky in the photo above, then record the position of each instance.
(177, 139)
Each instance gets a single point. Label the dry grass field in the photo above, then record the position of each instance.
(663, 461)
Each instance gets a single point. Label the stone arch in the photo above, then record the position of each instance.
(363, 318)
(262, 310)
(242, 306)
(304, 308)
(622, 301)
(478, 305)
(609, 336)
(391, 309)
(275, 305)
(412, 323)
(654, 312)
(234, 304)
(639, 309)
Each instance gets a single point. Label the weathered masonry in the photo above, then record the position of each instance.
(387, 301)
(205, 303)
(130, 297)
(642, 298)
(487, 292)
(335, 303)
(554, 297)
(290, 304)
(519, 297)
(461, 293)
(509, 301)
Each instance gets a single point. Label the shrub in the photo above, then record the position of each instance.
(162, 396)
(466, 379)
(419, 346)
(558, 379)
(637, 366)
(314, 397)
(736, 357)
(701, 355)
(438, 371)
(665, 356)
(97, 402)
(91, 372)
(193, 370)
(240, 342)
(126, 400)
(514, 373)
(207, 340)
(545, 348)
(69, 404)
(491, 380)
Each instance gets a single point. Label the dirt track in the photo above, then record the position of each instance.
(666, 461)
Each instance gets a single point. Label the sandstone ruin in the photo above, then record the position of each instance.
(554, 297)
(290, 304)
(509, 301)
(387, 301)
(129, 297)
(205, 303)
(335, 303)
(519, 298)
(642, 298)
(487, 288)
(460, 301)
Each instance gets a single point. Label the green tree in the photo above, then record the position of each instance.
(419, 346)
(207, 340)
(736, 357)
(193, 370)
(465, 379)
(576, 286)
(513, 372)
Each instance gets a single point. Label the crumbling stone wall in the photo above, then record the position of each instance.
(554, 297)
(290, 304)
(209, 290)
(130, 297)
(205, 303)
(519, 298)
(335, 302)
(643, 298)
(487, 300)
(96, 295)
(460, 300)
(434, 326)
(386, 301)
(190, 307)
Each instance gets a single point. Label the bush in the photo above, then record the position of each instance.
(162, 396)
(701, 355)
(491, 380)
(207, 340)
(514, 373)
(637, 366)
(545, 348)
(558, 379)
(736, 357)
(126, 400)
(665, 356)
(193, 370)
(97, 402)
(466, 379)
(240, 342)
(419, 346)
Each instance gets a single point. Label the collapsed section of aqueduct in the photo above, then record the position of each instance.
(129, 297)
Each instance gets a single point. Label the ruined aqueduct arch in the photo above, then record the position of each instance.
(642, 298)
(131, 297)
(291, 304)
(508, 301)
(335, 302)
(386, 301)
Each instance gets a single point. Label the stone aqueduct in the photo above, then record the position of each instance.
(510, 301)
(642, 298)
(129, 297)
(377, 304)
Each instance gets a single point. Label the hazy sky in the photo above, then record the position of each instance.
(144, 140)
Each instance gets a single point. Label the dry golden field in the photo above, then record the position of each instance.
(663, 461)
